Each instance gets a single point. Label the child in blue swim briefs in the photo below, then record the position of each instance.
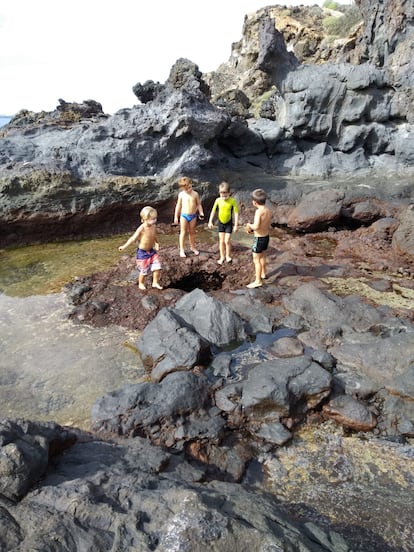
(147, 258)
(187, 208)
(227, 219)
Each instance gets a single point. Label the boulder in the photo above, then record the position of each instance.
(213, 320)
(168, 344)
(351, 413)
(316, 210)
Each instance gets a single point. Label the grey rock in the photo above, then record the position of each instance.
(168, 344)
(213, 320)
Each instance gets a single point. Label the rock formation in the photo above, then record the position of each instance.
(262, 115)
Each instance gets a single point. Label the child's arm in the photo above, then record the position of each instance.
(199, 207)
(212, 214)
(132, 239)
(253, 226)
(156, 243)
(236, 221)
(178, 208)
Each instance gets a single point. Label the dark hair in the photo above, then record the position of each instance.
(224, 187)
(259, 196)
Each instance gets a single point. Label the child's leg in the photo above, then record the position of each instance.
(263, 263)
(257, 271)
(156, 279)
(191, 235)
(141, 281)
(183, 232)
(222, 247)
(227, 241)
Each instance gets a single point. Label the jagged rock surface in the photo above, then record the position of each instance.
(262, 115)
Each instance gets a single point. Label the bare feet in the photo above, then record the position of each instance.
(220, 261)
(228, 259)
(141, 286)
(157, 286)
(196, 251)
(182, 253)
(254, 285)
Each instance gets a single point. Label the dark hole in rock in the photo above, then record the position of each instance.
(201, 280)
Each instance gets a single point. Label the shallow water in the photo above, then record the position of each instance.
(46, 268)
(52, 369)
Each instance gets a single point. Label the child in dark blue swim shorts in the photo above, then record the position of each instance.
(260, 227)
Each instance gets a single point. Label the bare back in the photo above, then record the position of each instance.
(262, 220)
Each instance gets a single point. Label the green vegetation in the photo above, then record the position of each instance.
(330, 5)
(258, 102)
(341, 26)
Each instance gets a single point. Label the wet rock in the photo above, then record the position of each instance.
(276, 388)
(338, 313)
(287, 347)
(351, 413)
(180, 338)
(226, 463)
(227, 399)
(403, 385)
(136, 409)
(221, 365)
(24, 454)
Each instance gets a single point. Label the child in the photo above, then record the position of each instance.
(146, 257)
(226, 207)
(260, 228)
(188, 205)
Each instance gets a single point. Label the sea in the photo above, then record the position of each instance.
(4, 119)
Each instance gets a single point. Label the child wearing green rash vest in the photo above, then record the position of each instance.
(227, 210)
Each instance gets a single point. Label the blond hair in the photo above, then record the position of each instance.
(185, 182)
(148, 213)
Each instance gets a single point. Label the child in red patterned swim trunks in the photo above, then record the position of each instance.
(147, 258)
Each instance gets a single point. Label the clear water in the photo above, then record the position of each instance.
(46, 268)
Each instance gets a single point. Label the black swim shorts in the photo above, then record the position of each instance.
(260, 244)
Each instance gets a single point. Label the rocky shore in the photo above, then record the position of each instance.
(275, 418)
(301, 389)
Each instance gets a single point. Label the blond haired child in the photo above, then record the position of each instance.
(186, 209)
(227, 210)
(147, 257)
(260, 227)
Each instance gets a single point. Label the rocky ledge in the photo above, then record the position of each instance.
(306, 379)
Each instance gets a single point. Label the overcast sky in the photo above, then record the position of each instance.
(98, 49)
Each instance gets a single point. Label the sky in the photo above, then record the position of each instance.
(99, 49)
